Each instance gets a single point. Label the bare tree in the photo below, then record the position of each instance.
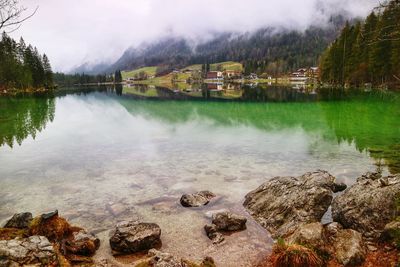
(12, 14)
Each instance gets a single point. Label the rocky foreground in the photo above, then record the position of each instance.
(365, 216)
(364, 231)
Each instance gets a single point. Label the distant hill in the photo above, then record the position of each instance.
(264, 50)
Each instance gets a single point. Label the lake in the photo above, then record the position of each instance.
(104, 155)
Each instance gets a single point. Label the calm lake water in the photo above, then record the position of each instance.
(102, 156)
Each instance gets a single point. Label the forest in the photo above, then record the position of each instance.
(366, 52)
(265, 50)
(22, 66)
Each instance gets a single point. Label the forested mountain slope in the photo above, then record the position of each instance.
(267, 50)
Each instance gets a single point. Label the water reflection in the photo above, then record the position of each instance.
(102, 151)
(24, 116)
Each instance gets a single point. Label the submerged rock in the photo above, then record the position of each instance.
(116, 209)
(369, 205)
(227, 221)
(35, 250)
(198, 199)
(82, 243)
(213, 234)
(162, 259)
(283, 203)
(131, 237)
(19, 220)
(224, 221)
(349, 248)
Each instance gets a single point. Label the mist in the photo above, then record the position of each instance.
(75, 32)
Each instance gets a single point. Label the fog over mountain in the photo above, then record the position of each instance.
(100, 31)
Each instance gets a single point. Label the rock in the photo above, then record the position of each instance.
(391, 231)
(46, 216)
(283, 203)
(213, 234)
(209, 214)
(367, 206)
(131, 237)
(19, 220)
(198, 199)
(50, 225)
(116, 209)
(82, 243)
(339, 187)
(332, 229)
(227, 221)
(311, 235)
(160, 259)
(35, 250)
(349, 247)
(207, 262)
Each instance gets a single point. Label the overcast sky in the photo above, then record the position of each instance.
(73, 32)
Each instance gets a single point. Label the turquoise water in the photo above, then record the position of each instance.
(100, 157)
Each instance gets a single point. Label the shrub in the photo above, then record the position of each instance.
(294, 255)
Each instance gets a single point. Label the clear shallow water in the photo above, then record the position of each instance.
(100, 158)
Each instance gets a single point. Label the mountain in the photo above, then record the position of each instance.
(269, 48)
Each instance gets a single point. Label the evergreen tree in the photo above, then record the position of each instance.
(366, 52)
(22, 66)
(48, 72)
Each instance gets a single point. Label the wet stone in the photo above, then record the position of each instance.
(19, 220)
(198, 199)
(227, 221)
(131, 237)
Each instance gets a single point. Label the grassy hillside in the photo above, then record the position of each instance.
(228, 65)
(150, 71)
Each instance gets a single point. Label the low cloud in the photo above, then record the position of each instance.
(75, 32)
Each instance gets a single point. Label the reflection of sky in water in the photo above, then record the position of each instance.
(95, 154)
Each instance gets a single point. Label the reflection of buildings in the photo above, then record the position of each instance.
(214, 86)
(215, 75)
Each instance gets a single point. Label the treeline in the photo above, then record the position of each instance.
(62, 79)
(366, 52)
(22, 66)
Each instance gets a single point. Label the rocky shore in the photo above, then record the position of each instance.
(365, 229)
(365, 217)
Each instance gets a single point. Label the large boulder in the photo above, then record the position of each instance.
(35, 251)
(131, 237)
(349, 247)
(369, 205)
(283, 203)
(331, 239)
(19, 220)
(198, 199)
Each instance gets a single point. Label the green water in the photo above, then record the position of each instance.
(83, 153)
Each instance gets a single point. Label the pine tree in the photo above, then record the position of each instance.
(48, 72)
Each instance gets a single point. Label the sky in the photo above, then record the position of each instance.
(95, 31)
